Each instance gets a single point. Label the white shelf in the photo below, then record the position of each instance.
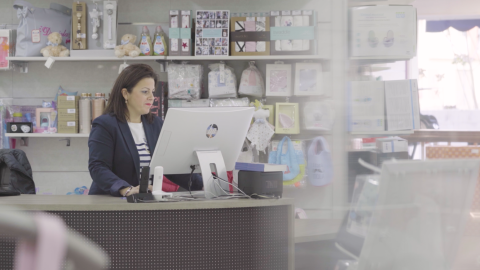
(381, 133)
(257, 57)
(46, 135)
(73, 59)
(180, 58)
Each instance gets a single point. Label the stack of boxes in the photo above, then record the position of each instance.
(67, 107)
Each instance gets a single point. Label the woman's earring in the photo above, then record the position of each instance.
(126, 101)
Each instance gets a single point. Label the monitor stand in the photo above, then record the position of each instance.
(212, 161)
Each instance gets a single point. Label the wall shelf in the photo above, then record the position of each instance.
(46, 135)
(380, 133)
(166, 58)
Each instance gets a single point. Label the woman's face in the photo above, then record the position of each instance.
(141, 99)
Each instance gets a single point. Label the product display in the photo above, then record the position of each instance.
(98, 105)
(212, 32)
(279, 79)
(145, 43)
(184, 81)
(19, 127)
(128, 47)
(318, 115)
(251, 83)
(85, 113)
(383, 31)
(230, 102)
(319, 163)
(110, 25)
(79, 26)
(250, 34)
(367, 106)
(68, 119)
(222, 82)
(290, 153)
(34, 22)
(7, 47)
(308, 79)
(287, 118)
(54, 47)
(261, 131)
(159, 44)
(293, 32)
(180, 33)
(44, 120)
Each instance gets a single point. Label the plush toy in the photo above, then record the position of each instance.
(54, 47)
(128, 47)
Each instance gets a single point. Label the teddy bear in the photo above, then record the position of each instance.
(128, 47)
(54, 47)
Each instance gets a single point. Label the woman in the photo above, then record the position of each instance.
(123, 139)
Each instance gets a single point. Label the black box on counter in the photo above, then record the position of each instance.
(19, 127)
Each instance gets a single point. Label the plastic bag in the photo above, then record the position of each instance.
(230, 102)
(252, 83)
(222, 82)
(184, 81)
(318, 115)
(37, 23)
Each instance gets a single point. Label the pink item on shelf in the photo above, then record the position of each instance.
(250, 46)
(49, 251)
(250, 26)
(286, 121)
(278, 80)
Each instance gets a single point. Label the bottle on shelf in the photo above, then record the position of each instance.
(159, 44)
(85, 114)
(145, 43)
(98, 105)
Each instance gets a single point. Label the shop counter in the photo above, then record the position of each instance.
(210, 234)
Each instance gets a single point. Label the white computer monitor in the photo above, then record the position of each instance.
(420, 215)
(200, 137)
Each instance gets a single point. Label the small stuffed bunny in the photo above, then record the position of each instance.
(261, 131)
(128, 47)
(54, 47)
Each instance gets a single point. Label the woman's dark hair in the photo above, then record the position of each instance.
(128, 79)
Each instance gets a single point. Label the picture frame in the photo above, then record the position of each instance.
(287, 120)
(279, 80)
(308, 79)
(43, 117)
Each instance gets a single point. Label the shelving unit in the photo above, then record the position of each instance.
(381, 133)
(46, 135)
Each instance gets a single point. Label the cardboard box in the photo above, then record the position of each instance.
(67, 115)
(180, 33)
(67, 127)
(392, 145)
(79, 26)
(244, 41)
(383, 31)
(68, 102)
(289, 39)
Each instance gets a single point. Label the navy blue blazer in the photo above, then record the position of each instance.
(113, 157)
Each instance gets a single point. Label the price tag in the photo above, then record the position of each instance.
(250, 19)
(70, 124)
(286, 13)
(36, 36)
(173, 12)
(71, 98)
(275, 13)
(71, 110)
(296, 12)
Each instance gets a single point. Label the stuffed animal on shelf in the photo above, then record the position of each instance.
(54, 47)
(128, 47)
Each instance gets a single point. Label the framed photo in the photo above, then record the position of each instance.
(308, 79)
(279, 80)
(43, 116)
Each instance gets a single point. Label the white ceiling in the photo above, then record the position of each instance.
(447, 9)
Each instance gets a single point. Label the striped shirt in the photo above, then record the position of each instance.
(140, 139)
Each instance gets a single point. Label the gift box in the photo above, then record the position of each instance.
(250, 35)
(293, 32)
(212, 32)
(180, 33)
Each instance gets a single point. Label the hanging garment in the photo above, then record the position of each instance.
(289, 158)
(319, 163)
